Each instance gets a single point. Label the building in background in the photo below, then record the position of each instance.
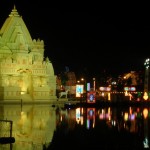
(65, 81)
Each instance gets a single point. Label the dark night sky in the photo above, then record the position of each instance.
(88, 40)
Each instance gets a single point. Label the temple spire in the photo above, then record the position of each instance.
(14, 12)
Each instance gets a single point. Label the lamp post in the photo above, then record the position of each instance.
(85, 86)
(83, 82)
(94, 84)
(146, 82)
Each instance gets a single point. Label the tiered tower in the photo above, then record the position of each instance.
(24, 73)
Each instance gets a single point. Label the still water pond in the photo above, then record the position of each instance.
(43, 127)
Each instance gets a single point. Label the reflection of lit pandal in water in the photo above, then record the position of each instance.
(23, 134)
(30, 127)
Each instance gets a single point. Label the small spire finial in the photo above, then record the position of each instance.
(14, 12)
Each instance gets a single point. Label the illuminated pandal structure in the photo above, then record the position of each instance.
(24, 72)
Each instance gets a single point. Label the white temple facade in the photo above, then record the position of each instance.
(24, 73)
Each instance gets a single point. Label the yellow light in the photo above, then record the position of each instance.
(145, 96)
(82, 79)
